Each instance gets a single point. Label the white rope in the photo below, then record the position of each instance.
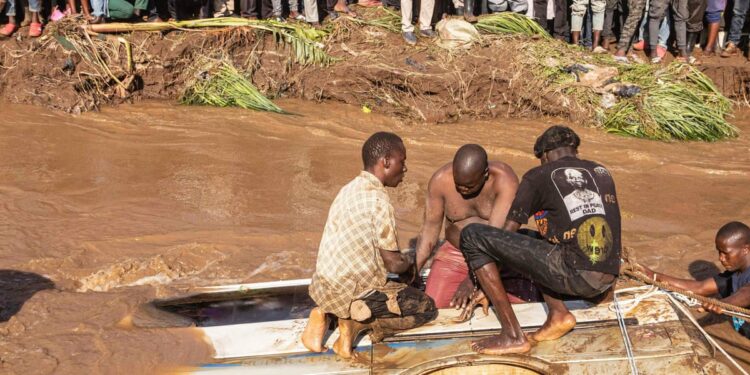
(625, 337)
(678, 300)
(708, 337)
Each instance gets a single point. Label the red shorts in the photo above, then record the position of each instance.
(449, 269)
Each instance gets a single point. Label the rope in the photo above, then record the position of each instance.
(708, 337)
(625, 336)
(729, 309)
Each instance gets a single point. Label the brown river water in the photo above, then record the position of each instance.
(102, 212)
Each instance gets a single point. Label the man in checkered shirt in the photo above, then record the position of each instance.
(358, 249)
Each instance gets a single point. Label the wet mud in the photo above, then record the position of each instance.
(103, 212)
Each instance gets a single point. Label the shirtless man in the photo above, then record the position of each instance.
(468, 190)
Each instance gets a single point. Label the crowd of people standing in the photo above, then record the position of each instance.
(656, 26)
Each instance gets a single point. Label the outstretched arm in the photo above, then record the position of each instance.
(704, 287)
(434, 209)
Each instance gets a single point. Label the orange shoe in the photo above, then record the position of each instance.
(35, 30)
(640, 45)
(9, 29)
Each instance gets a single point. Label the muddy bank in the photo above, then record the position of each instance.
(373, 68)
(104, 211)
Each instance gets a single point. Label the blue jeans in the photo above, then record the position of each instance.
(738, 20)
(663, 29)
(99, 8)
(34, 6)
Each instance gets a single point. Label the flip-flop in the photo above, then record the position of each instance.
(35, 29)
(348, 12)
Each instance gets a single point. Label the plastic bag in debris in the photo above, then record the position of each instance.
(456, 33)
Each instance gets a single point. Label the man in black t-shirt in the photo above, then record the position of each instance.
(574, 204)
(733, 285)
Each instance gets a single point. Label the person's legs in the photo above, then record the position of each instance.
(609, 18)
(713, 23)
(311, 11)
(277, 8)
(598, 7)
(562, 29)
(540, 14)
(696, 11)
(629, 28)
(577, 11)
(680, 16)
(656, 13)
(426, 7)
(735, 29)
(417, 308)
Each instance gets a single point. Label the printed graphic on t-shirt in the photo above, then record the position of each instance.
(542, 223)
(578, 191)
(594, 238)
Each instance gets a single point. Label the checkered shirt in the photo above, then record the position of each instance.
(360, 222)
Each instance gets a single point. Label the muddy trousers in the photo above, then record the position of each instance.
(542, 261)
(417, 308)
(426, 7)
(632, 21)
(578, 10)
(656, 12)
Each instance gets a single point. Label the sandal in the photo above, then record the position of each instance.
(8, 30)
(621, 59)
(692, 60)
(656, 60)
(35, 29)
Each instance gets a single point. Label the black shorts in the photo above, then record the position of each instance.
(540, 260)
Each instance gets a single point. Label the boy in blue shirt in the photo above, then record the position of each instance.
(733, 285)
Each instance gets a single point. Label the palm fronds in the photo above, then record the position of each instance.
(305, 41)
(219, 84)
(390, 21)
(510, 23)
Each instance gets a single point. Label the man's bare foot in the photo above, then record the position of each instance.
(348, 331)
(556, 326)
(501, 344)
(317, 324)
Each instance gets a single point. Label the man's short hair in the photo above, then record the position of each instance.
(380, 145)
(734, 230)
(556, 137)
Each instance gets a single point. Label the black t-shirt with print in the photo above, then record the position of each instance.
(574, 204)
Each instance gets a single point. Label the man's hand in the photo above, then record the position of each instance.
(463, 294)
(710, 307)
(477, 299)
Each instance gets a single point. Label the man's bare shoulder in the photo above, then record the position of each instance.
(503, 173)
(442, 177)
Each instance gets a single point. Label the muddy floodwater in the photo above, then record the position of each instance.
(102, 212)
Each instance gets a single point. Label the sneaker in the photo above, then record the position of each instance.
(599, 50)
(640, 45)
(427, 33)
(410, 38)
(35, 30)
(730, 50)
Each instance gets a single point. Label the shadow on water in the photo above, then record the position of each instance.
(703, 269)
(16, 287)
